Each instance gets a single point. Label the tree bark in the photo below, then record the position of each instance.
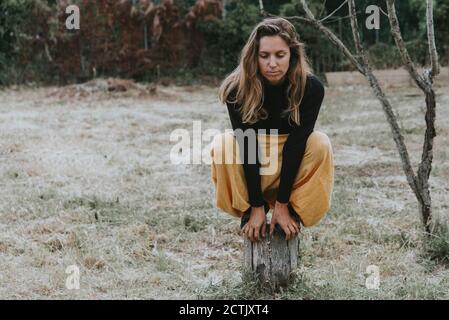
(272, 260)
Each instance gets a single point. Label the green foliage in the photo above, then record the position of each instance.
(225, 38)
(184, 5)
(383, 56)
(13, 14)
(437, 246)
(441, 14)
(212, 47)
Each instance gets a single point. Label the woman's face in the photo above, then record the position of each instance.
(274, 58)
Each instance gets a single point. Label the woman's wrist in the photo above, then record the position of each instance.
(280, 204)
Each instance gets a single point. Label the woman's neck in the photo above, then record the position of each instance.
(278, 84)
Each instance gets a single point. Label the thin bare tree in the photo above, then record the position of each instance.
(419, 181)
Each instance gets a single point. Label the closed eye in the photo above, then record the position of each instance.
(279, 55)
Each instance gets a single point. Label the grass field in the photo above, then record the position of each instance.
(87, 181)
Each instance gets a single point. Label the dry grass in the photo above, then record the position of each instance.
(89, 182)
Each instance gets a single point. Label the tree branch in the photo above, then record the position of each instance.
(425, 167)
(396, 33)
(332, 37)
(47, 52)
(262, 10)
(431, 39)
(425, 83)
(330, 15)
(391, 118)
(355, 30)
(364, 68)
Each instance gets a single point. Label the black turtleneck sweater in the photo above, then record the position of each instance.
(275, 101)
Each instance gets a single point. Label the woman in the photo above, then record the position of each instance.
(273, 88)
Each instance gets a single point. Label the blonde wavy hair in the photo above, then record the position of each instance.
(246, 79)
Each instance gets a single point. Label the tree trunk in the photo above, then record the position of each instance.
(272, 259)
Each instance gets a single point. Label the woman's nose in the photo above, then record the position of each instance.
(272, 62)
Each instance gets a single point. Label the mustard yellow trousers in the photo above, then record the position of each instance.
(311, 193)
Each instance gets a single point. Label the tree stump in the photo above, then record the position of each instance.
(272, 259)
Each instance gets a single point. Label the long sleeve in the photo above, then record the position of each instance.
(295, 145)
(250, 168)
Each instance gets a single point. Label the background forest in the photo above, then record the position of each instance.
(184, 40)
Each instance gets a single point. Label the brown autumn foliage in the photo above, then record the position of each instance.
(121, 38)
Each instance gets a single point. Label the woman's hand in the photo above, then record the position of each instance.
(256, 221)
(281, 216)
